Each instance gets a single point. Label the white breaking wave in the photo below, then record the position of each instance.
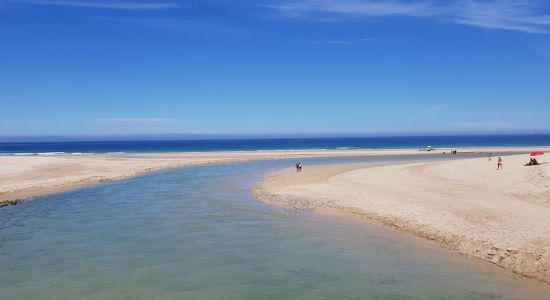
(51, 153)
(45, 153)
(293, 150)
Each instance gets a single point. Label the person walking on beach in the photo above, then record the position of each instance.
(490, 156)
(297, 166)
(499, 163)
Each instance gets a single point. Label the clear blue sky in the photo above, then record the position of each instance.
(85, 67)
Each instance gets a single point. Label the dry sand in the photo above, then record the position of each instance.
(26, 176)
(502, 217)
(22, 177)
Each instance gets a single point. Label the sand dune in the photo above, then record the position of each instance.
(499, 216)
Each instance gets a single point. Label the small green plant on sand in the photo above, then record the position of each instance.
(10, 202)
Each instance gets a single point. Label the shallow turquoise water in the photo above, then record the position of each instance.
(197, 233)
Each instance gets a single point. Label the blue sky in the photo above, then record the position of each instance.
(342, 67)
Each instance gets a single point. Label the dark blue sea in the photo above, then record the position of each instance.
(412, 142)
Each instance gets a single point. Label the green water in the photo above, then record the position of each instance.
(197, 233)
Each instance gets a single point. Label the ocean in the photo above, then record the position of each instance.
(282, 144)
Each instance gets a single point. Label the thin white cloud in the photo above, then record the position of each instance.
(517, 15)
(433, 110)
(138, 120)
(188, 26)
(328, 42)
(475, 126)
(112, 5)
(346, 42)
(358, 8)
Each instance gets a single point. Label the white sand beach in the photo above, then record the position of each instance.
(499, 216)
(22, 177)
(26, 176)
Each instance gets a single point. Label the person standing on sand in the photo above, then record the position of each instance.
(499, 163)
(490, 156)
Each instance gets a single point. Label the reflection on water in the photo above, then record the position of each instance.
(197, 233)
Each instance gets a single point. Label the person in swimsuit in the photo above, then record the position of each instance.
(499, 163)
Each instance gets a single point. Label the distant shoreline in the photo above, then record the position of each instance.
(26, 176)
(22, 177)
(316, 151)
(325, 143)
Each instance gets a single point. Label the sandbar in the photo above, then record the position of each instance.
(498, 216)
(22, 177)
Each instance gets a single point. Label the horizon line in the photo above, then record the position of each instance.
(233, 136)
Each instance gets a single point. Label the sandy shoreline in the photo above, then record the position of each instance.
(498, 216)
(502, 217)
(22, 177)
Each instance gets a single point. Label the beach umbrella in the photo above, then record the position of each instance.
(537, 153)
